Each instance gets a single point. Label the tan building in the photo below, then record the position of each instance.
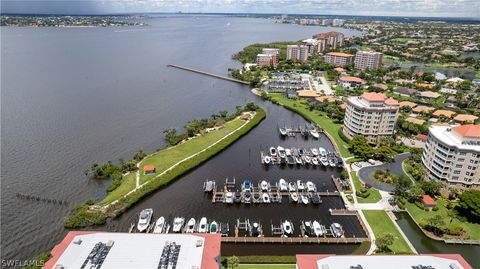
(297, 53)
(339, 58)
(268, 57)
(372, 115)
(329, 41)
(368, 59)
(452, 154)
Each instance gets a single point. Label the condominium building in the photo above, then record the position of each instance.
(297, 53)
(452, 154)
(368, 59)
(372, 115)
(339, 58)
(329, 40)
(268, 57)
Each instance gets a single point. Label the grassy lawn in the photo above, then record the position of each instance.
(418, 214)
(299, 106)
(128, 184)
(477, 74)
(374, 194)
(380, 224)
(267, 266)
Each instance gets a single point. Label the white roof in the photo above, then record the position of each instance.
(388, 261)
(133, 250)
(451, 138)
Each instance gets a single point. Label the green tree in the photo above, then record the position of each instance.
(139, 155)
(415, 193)
(431, 187)
(469, 205)
(360, 147)
(402, 185)
(384, 154)
(384, 241)
(171, 136)
(223, 113)
(233, 262)
(435, 224)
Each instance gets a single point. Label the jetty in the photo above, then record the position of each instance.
(208, 74)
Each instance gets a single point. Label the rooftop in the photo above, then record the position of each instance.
(352, 79)
(339, 54)
(443, 113)
(420, 109)
(466, 137)
(465, 118)
(307, 93)
(430, 94)
(469, 130)
(407, 103)
(373, 100)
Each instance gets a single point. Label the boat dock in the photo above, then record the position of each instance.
(294, 240)
(209, 74)
(462, 242)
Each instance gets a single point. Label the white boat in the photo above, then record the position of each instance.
(264, 185)
(267, 159)
(273, 151)
(307, 227)
(178, 224)
(324, 161)
(282, 184)
(266, 198)
(314, 151)
(283, 130)
(314, 133)
(203, 226)
(300, 185)
(159, 225)
(310, 186)
(292, 187)
(191, 226)
(294, 196)
(281, 152)
(229, 198)
(213, 227)
(287, 228)
(288, 152)
(337, 230)
(298, 160)
(255, 229)
(322, 152)
(317, 229)
(144, 219)
(331, 162)
(307, 159)
(314, 161)
(247, 197)
(304, 199)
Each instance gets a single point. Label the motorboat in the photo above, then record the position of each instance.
(178, 223)
(307, 227)
(190, 226)
(324, 161)
(159, 225)
(290, 159)
(224, 229)
(264, 186)
(282, 184)
(331, 162)
(281, 152)
(288, 152)
(247, 185)
(238, 197)
(273, 151)
(283, 130)
(203, 225)
(208, 186)
(317, 229)
(294, 151)
(213, 227)
(144, 219)
(340, 162)
(247, 197)
(287, 228)
(316, 200)
(301, 151)
(292, 187)
(304, 199)
(307, 159)
(322, 152)
(267, 159)
(315, 161)
(300, 185)
(265, 198)
(314, 151)
(255, 229)
(314, 133)
(337, 230)
(298, 160)
(294, 196)
(310, 186)
(229, 198)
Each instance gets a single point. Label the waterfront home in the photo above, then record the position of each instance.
(402, 91)
(407, 104)
(465, 118)
(148, 169)
(351, 82)
(441, 113)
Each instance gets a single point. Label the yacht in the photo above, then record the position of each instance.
(203, 225)
(301, 151)
(292, 187)
(300, 185)
(304, 199)
(337, 230)
(265, 198)
(159, 225)
(247, 185)
(298, 160)
(247, 197)
(282, 184)
(314, 133)
(314, 161)
(294, 196)
(294, 151)
(281, 152)
(190, 226)
(144, 219)
(331, 162)
(314, 151)
(288, 152)
(290, 159)
(178, 224)
(264, 186)
(311, 186)
(322, 152)
(273, 151)
(255, 229)
(307, 227)
(307, 159)
(324, 161)
(267, 159)
(238, 197)
(213, 227)
(229, 198)
(283, 130)
(317, 229)
(224, 229)
(287, 228)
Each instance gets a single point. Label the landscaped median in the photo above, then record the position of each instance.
(169, 164)
(364, 194)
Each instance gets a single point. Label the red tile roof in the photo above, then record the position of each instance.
(391, 102)
(310, 261)
(468, 130)
(149, 168)
(422, 137)
(427, 200)
(352, 79)
(340, 54)
(374, 96)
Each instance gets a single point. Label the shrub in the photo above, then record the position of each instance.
(435, 208)
(454, 229)
(419, 205)
(350, 198)
(363, 194)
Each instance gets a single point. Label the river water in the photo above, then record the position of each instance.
(74, 96)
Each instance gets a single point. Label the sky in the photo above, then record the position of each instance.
(421, 8)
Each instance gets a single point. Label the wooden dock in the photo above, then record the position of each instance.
(294, 240)
(208, 74)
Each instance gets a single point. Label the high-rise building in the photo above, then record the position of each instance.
(329, 40)
(452, 154)
(339, 58)
(372, 115)
(268, 57)
(297, 53)
(338, 22)
(368, 59)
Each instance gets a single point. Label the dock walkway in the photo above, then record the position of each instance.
(294, 240)
(209, 74)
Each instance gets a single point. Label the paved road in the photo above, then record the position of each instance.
(395, 168)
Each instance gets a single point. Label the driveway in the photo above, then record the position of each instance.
(395, 168)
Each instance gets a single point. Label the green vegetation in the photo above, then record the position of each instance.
(363, 248)
(364, 194)
(40, 260)
(249, 53)
(82, 216)
(469, 205)
(301, 107)
(268, 266)
(381, 224)
(260, 262)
